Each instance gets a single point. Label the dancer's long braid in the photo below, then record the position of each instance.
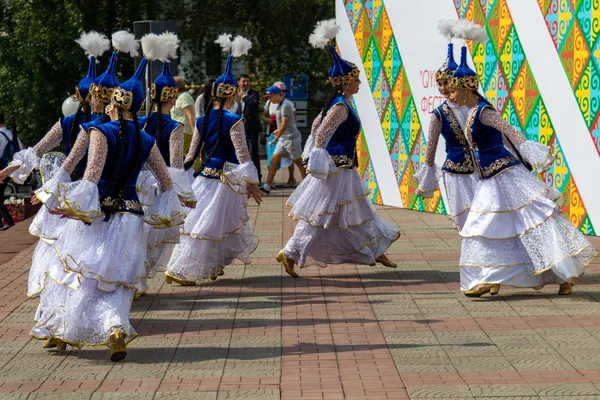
(187, 165)
(216, 144)
(112, 206)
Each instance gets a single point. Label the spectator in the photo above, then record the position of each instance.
(204, 101)
(287, 136)
(9, 145)
(184, 112)
(249, 102)
(269, 118)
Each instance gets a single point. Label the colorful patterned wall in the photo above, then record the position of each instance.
(395, 105)
(574, 26)
(507, 81)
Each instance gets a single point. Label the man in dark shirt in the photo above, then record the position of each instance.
(249, 100)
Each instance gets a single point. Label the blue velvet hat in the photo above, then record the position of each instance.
(94, 44)
(83, 88)
(130, 94)
(448, 67)
(464, 78)
(165, 87)
(226, 85)
(104, 85)
(343, 72)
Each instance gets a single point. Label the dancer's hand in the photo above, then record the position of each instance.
(254, 191)
(7, 171)
(35, 200)
(187, 203)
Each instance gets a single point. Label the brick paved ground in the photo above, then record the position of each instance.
(352, 332)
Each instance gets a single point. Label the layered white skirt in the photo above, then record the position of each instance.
(160, 242)
(459, 189)
(515, 235)
(336, 221)
(218, 231)
(89, 287)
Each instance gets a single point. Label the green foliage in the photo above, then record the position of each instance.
(40, 63)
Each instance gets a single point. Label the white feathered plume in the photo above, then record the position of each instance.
(224, 40)
(469, 30)
(324, 32)
(446, 28)
(93, 43)
(125, 42)
(240, 46)
(150, 47)
(169, 43)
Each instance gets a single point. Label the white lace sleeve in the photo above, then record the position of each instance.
(193, 146)
(538, 155)
(435, 129)
(97, 156)
(238, 137)
(159, 169)
(52, 139)
(334, 117)
(491, 117)
(78, 151)
(176, 147)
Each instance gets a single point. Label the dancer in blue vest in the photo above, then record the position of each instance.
(65, 132)
(457, 175)
(337, 222)
(514, 233)
(87, 296)
(219, 229)
(169, 140)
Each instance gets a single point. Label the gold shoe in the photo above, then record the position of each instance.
(480, 290)
(287, 264)
(565, 288)
(386, 262)
(222, 272)
(51, 343)
(170, 279)
(494, 290)
(118, 348)
(138, 295)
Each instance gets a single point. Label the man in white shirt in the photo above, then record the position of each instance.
(6, 137)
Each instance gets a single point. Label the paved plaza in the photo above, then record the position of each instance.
(343, 332)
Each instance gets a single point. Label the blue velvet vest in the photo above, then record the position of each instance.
(486, 145)
(224, 150)
(458, 156)
(150, 125)
(129, 201)
(342, 145)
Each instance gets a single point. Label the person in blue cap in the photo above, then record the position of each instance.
(287, 137)
(336, 221)
(65, 131)
(514, 233)
(458, 175)
(218, 230)
(169, 139)
(88, 294)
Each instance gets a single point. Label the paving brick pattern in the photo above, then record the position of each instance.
(343, 332)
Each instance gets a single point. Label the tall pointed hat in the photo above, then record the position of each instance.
(226, 85)
(94, 44)
(343, 72)
(464, 78)
(163, 48)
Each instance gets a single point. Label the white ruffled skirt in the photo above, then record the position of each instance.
(216, 232)
(514, 234)
(336, 222)
(459, 188)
